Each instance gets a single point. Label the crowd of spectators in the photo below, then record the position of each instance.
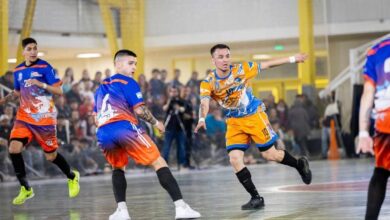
(172, 102)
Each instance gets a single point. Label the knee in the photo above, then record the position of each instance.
(269, 155)
(236, 160)
(51, 156)
(14, 149)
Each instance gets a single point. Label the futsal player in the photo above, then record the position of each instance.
(246, 119)
(118, 101)
(35, 83)
(376, 90)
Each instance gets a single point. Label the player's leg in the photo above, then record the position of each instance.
(20, 136)
(169, 183)
(265, 140)
(236, 158)
(378, 182)
(47, 139)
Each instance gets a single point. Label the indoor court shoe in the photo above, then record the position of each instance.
(254, 203)
(24, 194)
(73, 185)
(120, 214)
(304, 170)
(186, 212)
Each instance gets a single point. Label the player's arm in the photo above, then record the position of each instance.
(203, 111)
(144, 113)
(55, 89)
(12, 96)
(297, 58)
(365, 141)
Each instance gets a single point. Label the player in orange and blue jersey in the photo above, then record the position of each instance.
(376, 90)
(35, 83)
(118, 103)
(229, 85)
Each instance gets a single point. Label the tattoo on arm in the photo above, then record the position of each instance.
(203, 110)
(146, 115)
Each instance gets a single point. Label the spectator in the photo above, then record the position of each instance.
(74, 94)
(176, 79)
(193, 82)
(7, 80)
(299, 122)
(282, 110)
(85, 76)
(63, 109)
(174, 108)
(157, 87)
(331, 113)
(97, 80)
(144, 85)
(69, 73)
(312, 111)
(107, 73)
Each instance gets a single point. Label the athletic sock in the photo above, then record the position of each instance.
(168, 182)
(119, 185)
(376, 192)
(64, 166)
(245, 178)
(20, 170)
(290, 160)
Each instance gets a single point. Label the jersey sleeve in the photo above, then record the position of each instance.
(16, 83)
(52, 77)
(205, 88)
(251, 69)
(133, 94)
(369, 72)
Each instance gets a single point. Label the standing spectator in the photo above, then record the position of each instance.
(331, 113)
(176, 79)
(107, 73)
(157, 87)
(85, 76)
(299, 123)
(63, 108)
(97, 80)
(7, 80)
(69, 73)
(282, 109)
(174, 109)
(193, 81)
(312, 111)
(143, 83)
(74, 94)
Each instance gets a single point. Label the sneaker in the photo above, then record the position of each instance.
(186, 212)
(24, 194)
(73, 185)
(253, 204)
(120, 214)
(304, 170)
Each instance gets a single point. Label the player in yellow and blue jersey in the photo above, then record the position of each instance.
(229, 85)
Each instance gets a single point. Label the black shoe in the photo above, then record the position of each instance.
(253, 204)
(304, 170)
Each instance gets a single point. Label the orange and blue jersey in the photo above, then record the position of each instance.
(115, 100)
(36, 104)
(233, 92)
(377, 72)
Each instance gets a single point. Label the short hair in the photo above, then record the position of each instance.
(27, 41)
(122, 53)
(218, 46)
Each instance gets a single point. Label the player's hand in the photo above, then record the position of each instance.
(34, 82)
(160, 126)
(300, 57)
(365, 145)
(201, 124)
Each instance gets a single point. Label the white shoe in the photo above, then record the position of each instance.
(183, 212)
(120, 214)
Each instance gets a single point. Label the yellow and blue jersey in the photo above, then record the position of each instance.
(233, 92)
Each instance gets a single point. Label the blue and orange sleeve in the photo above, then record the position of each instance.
(16, 82)
(369, 72)
(133, 93)
(52, 77)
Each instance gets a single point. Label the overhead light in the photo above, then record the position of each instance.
(261, 57)
(88, 55)
(41, 54)
(12, 60)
